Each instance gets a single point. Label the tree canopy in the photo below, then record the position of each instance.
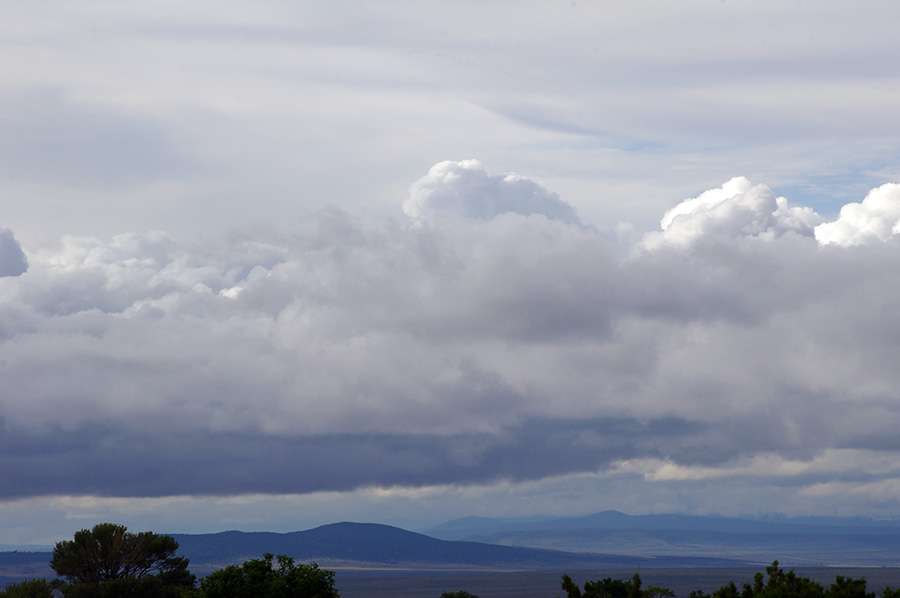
(260, 579)
(780, 584)
(614, 588)
(108, 558)
(32, 588)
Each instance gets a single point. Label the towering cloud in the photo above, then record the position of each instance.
(874, 220)
(464, 189)
(736, 209)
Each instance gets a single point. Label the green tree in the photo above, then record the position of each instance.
(847, 587)
(781, 584)
(657, 592)
(108, 560)
(634, 588)
(727, 591)
(786, 584)
(258, 578)
(614, 588)
(571, 588)
(32, 588)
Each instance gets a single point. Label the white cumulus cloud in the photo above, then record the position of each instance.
(736, 209)
(875, 219)
(465, 190)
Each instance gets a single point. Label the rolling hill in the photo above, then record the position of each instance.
(367, 546)
(366, 555)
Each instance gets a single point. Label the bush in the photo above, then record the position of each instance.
(259, 579)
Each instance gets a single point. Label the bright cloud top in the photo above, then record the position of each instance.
(875, 219)
(737, 209)
(491, 345)
(465, 190)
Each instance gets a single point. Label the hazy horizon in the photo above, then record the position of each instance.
(468, 527)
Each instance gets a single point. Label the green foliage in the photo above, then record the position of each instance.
(132, 587)
(606, 588)
(727, 591)
(459, 594)
(657, 592)
(614, 588)
(786, 585)
(33, 588)
(781, 584)
(848, 588)
(258, 578)
(109, 561)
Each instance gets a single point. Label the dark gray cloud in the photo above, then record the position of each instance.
(457, 351)
(12, 259)
(164, 462)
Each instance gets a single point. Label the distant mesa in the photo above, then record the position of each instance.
(374, 545)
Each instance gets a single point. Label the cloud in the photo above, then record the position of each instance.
(12, 259)
(744, 325)
(875, 219)
(92, 148)
(738, 209)
(341, 355)
(48, 137)
(464, 189)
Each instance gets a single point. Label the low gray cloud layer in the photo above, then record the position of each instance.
(481, 343)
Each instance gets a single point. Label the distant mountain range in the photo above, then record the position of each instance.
(794, 541)
(476, 526)
(370, 545)
(607, 540)
(367, 546)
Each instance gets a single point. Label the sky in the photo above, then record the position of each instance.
(271, 265)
